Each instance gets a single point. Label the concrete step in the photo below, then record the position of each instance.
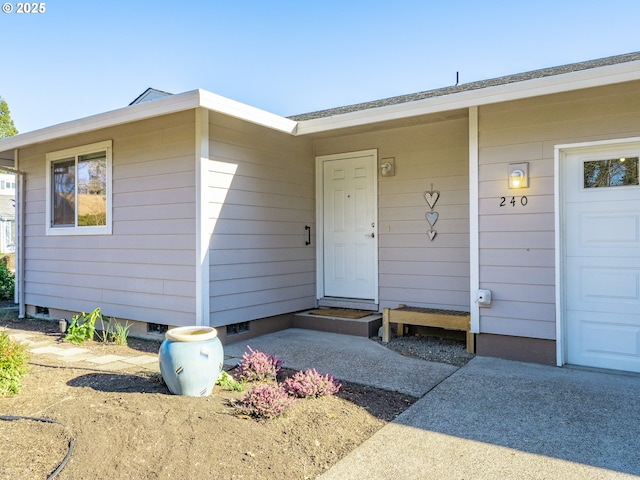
(362, 327)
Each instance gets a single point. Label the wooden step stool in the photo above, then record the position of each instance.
(427, 317)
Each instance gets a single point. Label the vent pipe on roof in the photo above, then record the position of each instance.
(457, 78)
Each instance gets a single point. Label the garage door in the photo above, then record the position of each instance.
(602, 257)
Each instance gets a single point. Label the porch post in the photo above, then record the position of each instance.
(202, 230)
(474, 252)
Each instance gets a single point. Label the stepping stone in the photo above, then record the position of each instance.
(141, 359)
(104, 359)
(20, 336)
(47, 349)
(69, 352)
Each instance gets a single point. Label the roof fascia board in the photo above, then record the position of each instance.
(246, 112)
(141, 111)
(145, 110)
(483, 96)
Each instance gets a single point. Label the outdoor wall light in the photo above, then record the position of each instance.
(518, 175)
(387, 167)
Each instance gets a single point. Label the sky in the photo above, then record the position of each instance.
(77, 59)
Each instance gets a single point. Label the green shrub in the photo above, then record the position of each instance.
(13, 365)
(83, 326)
(227, 381)
(114, 332)
(7, 282)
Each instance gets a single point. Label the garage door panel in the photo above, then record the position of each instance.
(598, 343)
(608, 288)
(593, 229)
(601, 262)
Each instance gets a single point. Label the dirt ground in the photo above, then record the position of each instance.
(128, 426)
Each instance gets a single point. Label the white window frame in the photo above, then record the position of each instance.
(75, 152)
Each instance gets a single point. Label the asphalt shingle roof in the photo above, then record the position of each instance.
(439, 92)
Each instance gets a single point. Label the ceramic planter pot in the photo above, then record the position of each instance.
(191, 360)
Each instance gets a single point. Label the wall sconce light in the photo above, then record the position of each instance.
(519, 175)
(388, 167)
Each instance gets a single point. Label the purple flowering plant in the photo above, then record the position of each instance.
(311, 384)
(257, 366)
(265, 401)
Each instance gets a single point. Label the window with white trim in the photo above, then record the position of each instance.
(79, 190)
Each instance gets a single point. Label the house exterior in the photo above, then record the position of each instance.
(193, 209)
(7, 213)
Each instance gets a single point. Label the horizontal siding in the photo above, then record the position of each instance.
(145, 270)
(261, 196)
(412, 269)
(517, 243)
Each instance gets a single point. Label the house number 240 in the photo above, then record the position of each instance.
(513, 201)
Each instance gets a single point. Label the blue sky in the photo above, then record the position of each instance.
(81, 58)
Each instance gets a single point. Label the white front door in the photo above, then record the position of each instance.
(349, 221)
(602, 257)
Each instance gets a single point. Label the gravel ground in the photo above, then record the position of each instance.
(433, 349)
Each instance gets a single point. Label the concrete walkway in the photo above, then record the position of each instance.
(492, 419)
(349, 358)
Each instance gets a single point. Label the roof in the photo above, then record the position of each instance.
(594, 73)
(150, 94)
(520, 77)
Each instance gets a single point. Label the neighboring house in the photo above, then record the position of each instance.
(192, 209)
(7, 213)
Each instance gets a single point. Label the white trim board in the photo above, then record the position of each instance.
(474, 222)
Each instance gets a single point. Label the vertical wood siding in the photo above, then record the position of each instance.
(262, 194)
(517, 243)
(145, 269)
(412, 269)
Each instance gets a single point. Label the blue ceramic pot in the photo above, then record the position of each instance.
(191, 360)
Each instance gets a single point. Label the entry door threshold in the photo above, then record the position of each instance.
(351, 303)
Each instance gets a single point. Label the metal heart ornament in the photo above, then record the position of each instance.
(432, 217)
(431, 197)
(432, 234)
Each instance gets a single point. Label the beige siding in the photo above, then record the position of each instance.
(412, 269)
(517, 243)
(145, 269)
(262, 194)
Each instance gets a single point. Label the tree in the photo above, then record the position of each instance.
(7, 128)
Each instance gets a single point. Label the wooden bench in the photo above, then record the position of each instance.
(427, 317)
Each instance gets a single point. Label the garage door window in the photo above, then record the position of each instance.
(616, 172)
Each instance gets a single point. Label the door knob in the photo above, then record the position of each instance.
(371, 235)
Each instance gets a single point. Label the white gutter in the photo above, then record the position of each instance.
(141, 111)
(588, 78)
(559, 83)
(223, 105)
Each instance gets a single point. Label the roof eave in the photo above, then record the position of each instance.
(577, 80)
(226, 106)
(141, 111)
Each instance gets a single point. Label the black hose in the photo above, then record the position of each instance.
(55, 473)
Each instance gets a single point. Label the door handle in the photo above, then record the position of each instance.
(371, 235)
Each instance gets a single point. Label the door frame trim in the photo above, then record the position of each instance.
(560, 154)
(320, 159)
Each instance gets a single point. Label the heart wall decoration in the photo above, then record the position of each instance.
(432, 197)
(432, 217)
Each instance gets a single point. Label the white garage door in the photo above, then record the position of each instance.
(602, 257)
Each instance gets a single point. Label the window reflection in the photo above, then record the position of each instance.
(611, 173)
